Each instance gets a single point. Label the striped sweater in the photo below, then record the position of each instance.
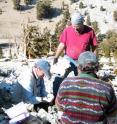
(85, 100)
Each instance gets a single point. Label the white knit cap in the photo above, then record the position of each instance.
(77, 18)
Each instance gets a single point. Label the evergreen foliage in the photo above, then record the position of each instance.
(17, 5)
(102, 9)
(60, 26)
(95, 26)
(81, 5)
(91, 6)
(115, 15)
(88, 21)
(1, 53)
(10, 54)
(27, 2)
(73, 1)
(110, 44)
(37, 44)
(101, 37)
(44, 9)
(105, 47)
(0, 11)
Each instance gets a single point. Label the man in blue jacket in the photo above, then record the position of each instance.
(32, 82)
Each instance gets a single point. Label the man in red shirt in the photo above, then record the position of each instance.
(75, 39)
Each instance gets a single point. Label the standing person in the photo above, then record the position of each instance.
(75, 39)
(32, 82)
(86, 99)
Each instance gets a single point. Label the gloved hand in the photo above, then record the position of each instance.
(55, 60)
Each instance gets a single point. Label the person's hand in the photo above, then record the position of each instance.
(30, 107)
(55, 60)
(49, 98)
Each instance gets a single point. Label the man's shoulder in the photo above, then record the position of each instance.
(102, 81)
(102, 84)
(25, 75)
(88, 28)
(95, 81)
(26, 71)
(68, 28)
(71, 79)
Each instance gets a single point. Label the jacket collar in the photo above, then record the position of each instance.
(88, 75)
(34, 74)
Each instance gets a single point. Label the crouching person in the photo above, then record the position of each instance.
(32, 82)
(86, 99)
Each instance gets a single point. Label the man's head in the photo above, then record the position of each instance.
(88, 62)
(77, 20)
(42, 67)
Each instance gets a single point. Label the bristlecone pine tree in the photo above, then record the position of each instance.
(88, 21)
(17, 5)
(60, 27)
(1, 53)
(81, 5)
(95, 26)
(43, 9)
(115, 15)
(27, 2)
(110, 44)
(37, 44)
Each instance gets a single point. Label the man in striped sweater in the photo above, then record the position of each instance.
(86, 99)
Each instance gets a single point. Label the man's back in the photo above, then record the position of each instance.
(85, 100)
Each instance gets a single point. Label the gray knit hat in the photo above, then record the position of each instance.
(77, 18)
(86, 58)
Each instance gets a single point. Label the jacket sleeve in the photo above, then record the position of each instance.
(29, 97)
(112, 108)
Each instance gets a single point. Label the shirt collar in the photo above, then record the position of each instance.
(88, 75)
(34, 73)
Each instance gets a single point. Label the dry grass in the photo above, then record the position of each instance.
(12, 21)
